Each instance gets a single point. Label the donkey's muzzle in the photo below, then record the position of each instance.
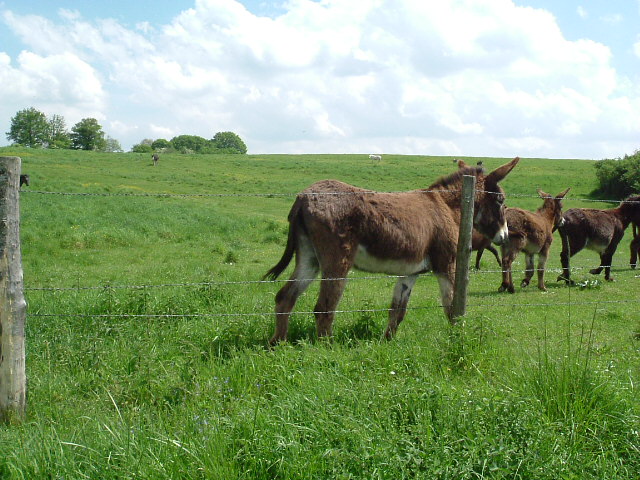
(502, 236)
(559, 224)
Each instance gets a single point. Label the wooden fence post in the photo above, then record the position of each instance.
(13, 380)
(463, 255)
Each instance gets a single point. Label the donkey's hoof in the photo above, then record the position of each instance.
(511, 289)
(502, 288)
(633, 266)
(524, 283)
(595, 271)
(609, 279)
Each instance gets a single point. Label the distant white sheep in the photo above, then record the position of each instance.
(375, 157)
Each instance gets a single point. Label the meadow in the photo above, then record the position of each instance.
(147, 327)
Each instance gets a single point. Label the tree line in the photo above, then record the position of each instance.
(32, 128)
(619, 177)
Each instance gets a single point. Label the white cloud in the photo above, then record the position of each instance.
(404, 76)
(612, 18)
(582, 12)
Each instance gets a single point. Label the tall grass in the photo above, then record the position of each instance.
(133, 376)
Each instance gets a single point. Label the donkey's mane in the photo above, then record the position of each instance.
(456, 177)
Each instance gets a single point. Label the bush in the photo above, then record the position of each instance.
(619, 177)
(142, 148)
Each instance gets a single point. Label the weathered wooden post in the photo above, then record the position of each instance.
(13, 380)
(463, 255)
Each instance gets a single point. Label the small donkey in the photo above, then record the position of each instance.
(532, 233)
(599, 230)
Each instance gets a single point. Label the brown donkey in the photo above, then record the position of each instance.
(480, 243)
(531, 233)
(599, 230)
(334, 227)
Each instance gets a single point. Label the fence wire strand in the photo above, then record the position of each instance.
(107, 287)
(290, 194)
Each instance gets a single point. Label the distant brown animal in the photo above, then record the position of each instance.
(334, 227)
(24, 180)
(480, 243)
(598, 230)
(155, 158)
(531, 233)
(634, 247)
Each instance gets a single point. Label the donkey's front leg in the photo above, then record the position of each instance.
(507, 278)
(446, 294)
(401, 294)
(635, 249)
(528, 271)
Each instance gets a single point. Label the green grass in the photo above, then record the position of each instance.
(159, 380)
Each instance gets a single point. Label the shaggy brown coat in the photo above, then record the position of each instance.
(334, 227)
(598, 230)
(531, 233)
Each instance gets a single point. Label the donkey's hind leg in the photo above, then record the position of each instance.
(401, 294)
(305, 272)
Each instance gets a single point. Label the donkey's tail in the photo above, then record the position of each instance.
(289, 250)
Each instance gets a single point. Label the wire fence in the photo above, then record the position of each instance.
(294, 194)
(222, 283)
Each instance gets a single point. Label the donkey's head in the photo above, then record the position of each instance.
(489, 218)
(553, 206)
(630, 208)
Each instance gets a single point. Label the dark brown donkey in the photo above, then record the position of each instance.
(634, 247)
(599, 230)
(531, 233)
(334, 227)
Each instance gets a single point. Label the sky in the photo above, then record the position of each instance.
(499, 78)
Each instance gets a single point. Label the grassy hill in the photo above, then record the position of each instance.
(147, 325)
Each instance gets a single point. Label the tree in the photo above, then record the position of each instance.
(619, 177)
(229, 142)
(30, 128)
(112, 145)
(58, 134)
(142, 148)
(190, 143)
(87, 134)
(161, 144)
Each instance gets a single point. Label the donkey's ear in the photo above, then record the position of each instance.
(501, 172)
(461, 164)
(561, 195)
(542, 194)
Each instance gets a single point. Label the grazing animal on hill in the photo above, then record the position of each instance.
(531, 233)
(24, 179)
(334, 227)
(375, 157)
(634, 247)
(598, 230)
(155, 157)
(480, 243)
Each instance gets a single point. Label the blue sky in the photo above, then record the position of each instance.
(493, 77)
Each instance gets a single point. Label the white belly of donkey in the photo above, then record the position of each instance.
(369, 263)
